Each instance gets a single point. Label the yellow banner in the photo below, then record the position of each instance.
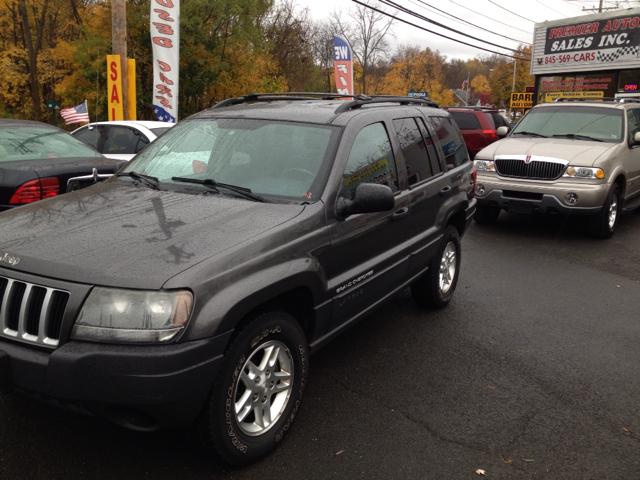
(114, 87)
(553, 96)
(131, 89)
(521, 100)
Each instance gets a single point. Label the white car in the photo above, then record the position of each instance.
(121, 140)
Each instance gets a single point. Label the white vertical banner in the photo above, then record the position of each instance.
(165, 40)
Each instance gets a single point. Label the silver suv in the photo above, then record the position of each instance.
(578, 158)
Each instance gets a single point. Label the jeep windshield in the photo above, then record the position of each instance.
(282, 160)
(598, 124)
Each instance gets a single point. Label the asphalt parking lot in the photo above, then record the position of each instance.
(533, 371)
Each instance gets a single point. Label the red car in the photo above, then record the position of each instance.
(478, 126)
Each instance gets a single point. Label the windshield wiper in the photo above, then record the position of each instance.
(153, 182)
(210, 182)
(578, 136)
(533, 134)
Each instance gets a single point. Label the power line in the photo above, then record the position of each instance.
(472, 24)
(565, 16)
(492, 19)
(439, 34)
(392, 4)
(512, 13)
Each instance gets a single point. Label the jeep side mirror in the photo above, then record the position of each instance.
(636, 138)
(502, 131)
(368, 198)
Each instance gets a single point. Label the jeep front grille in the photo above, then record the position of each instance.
(523, 166)
(31, 313)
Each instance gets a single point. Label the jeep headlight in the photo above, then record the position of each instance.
(583, 172)
(484, 165)
(115, 315)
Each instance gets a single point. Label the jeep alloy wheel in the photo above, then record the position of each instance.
(258, 390)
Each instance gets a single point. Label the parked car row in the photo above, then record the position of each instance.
(189, 289)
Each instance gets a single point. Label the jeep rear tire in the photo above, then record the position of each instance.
(435, 289)
(604, 223)
(258, 390)
(486, 215)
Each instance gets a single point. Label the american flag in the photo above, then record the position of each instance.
(464, 84)
(77, 114)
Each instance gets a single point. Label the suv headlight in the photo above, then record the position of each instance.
(115, 315)
(484, 165)
(583, 172)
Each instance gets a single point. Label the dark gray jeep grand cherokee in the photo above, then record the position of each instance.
(190, 289)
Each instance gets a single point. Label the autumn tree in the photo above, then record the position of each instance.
(422, 70)
(31, 30)
(502, 78)
(288, 33)
(368, 33)
(321, 43)
(480, 84)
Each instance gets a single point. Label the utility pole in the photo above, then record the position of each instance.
(513, 87)
(119, 44)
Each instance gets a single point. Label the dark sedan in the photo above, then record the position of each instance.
(39, 161)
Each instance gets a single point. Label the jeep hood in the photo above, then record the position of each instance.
(114, 234)
(583, 152)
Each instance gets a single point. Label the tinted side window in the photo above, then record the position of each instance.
(370, 161)
(455, 152)
(466, 121)
(90, 136)
(499, 120)
(431, 148)
(121, 140)
(414, 150)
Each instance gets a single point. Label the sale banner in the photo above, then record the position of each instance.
(114, 88)
(342, 65)
(165, 42)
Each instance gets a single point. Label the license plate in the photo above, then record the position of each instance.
(5, 376)
(519, 207)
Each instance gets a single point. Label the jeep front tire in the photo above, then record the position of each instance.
(258, 390)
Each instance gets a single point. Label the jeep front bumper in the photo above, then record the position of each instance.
(140, 387)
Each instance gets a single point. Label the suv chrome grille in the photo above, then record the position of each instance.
(523, 166)
(31, 313)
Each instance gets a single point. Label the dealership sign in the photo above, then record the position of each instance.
(593, 42)
(521, 100)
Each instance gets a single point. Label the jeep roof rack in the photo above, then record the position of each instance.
(372, 99)
(357, 102)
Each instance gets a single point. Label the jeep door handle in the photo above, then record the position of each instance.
(445, 190)
(400, 213)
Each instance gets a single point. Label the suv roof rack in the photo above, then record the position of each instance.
(474, 108)
(357, 102)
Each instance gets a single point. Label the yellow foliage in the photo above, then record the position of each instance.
(421, 71)
(250, 72)
(481, 84)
